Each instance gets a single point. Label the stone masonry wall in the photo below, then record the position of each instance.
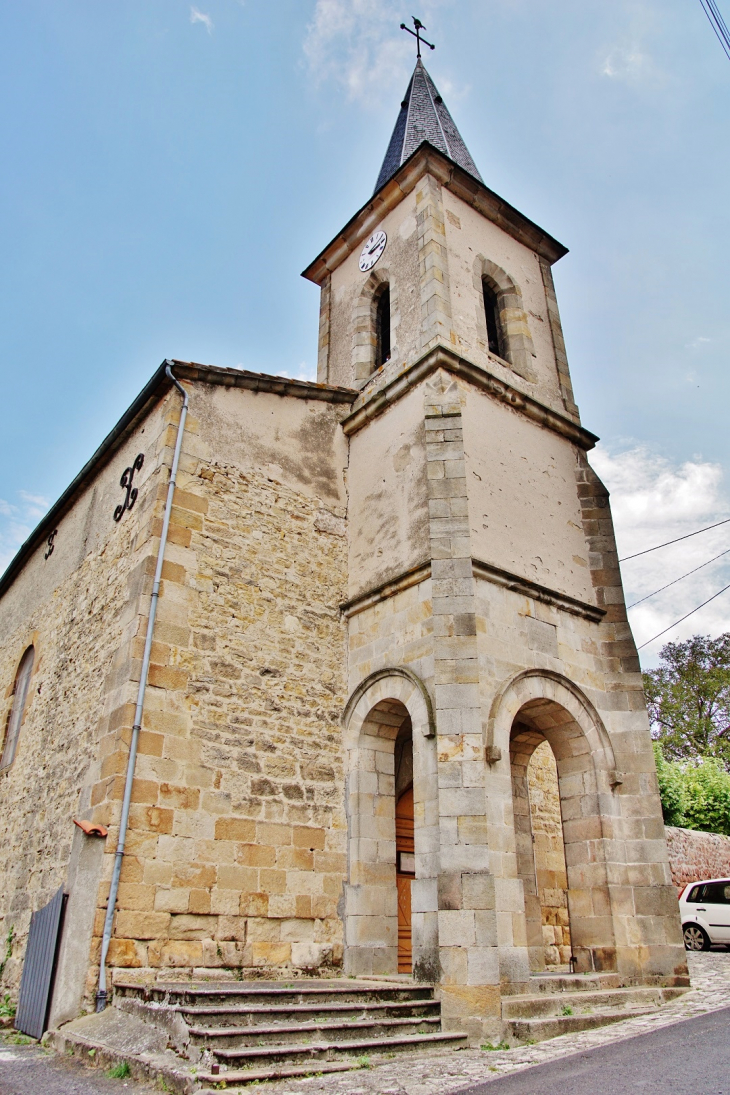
(78, 608)
(236, 847)
(694, 856)
(549, 851)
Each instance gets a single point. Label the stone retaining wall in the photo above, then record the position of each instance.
(694, 855)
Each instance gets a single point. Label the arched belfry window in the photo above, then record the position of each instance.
(382, 328)
(491, 313)
(20, 695)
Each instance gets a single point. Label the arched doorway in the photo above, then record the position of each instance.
(392, 805)
(559, 841)
(540, 849)
(405, 849)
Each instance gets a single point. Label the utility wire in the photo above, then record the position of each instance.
(687, 537)
(657, 591)
(666, 629)
(718, 24)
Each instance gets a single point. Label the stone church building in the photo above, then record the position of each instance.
(389, 606)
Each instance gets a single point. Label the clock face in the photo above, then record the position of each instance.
(372, 250)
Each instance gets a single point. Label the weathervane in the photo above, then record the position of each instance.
(417, 34)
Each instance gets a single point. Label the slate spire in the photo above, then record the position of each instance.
(424, 117)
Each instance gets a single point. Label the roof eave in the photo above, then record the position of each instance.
(156, 386)
(429, 158)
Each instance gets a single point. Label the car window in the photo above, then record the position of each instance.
(717, 893)
(696, 893)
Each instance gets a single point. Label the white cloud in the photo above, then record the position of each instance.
(358, 45)
(698, 343)
(630, 64)
(17, 522)
(200, 17)
(654, 501)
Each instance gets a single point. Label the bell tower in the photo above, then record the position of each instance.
(485, 610)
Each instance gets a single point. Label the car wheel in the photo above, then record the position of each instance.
(696, 938)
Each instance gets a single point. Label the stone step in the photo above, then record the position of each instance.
(216, 1038)
(538, 1030)
(542, 1005)
(234, 1015)
(323, 1050)
(566, 982)
(276, 992)
(273, 1072)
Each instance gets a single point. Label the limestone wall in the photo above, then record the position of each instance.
(694, 856)
(237, 830)
(79, 608)
(549, 852)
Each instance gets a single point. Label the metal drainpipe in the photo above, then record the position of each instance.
(101, 995)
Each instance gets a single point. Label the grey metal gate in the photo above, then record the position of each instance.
(39, 966)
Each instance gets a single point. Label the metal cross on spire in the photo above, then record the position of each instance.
(417, 34)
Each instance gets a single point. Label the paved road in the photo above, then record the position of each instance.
(31, 1070)
(687, 1058)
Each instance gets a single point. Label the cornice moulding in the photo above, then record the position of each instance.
(429, 160)
(369, 407)
(486, 572)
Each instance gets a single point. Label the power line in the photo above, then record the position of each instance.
(718, 24)
(656, 591)
(687, 537)
(666, 629)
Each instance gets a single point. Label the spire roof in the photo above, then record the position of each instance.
(424, 117)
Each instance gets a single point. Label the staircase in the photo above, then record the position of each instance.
(266, 1030)
(567, 1003)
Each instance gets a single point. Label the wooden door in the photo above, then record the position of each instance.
(405, 873)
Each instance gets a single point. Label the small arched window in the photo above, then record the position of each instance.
(491, 314)
(20, 695)
(382, 328)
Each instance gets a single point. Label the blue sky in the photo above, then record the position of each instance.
(171, 168)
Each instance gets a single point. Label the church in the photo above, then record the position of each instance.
(293, 674)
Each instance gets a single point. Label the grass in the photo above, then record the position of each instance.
(7, 1008)
(8, 949)
(566, 1010)
(499, 1045)
(19, 1040)
(120, 1071)
(363, 1062)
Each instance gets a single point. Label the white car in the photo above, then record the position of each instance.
(705, 911)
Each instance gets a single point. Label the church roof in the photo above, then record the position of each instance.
(424, 117)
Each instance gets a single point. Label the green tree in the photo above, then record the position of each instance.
(694, 794)
(688, 699)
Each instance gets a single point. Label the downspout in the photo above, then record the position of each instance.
(101, 995)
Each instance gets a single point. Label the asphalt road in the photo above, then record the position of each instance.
(691, 1057)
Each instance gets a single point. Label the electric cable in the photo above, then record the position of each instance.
(668, 542)
(656, 591)
(676, 622)
(718, 24)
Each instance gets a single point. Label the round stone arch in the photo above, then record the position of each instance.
(539, 705)
(384, 704)
(544, 684)
(519, 347)
(364, 339)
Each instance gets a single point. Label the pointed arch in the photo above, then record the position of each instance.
(21, 688)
